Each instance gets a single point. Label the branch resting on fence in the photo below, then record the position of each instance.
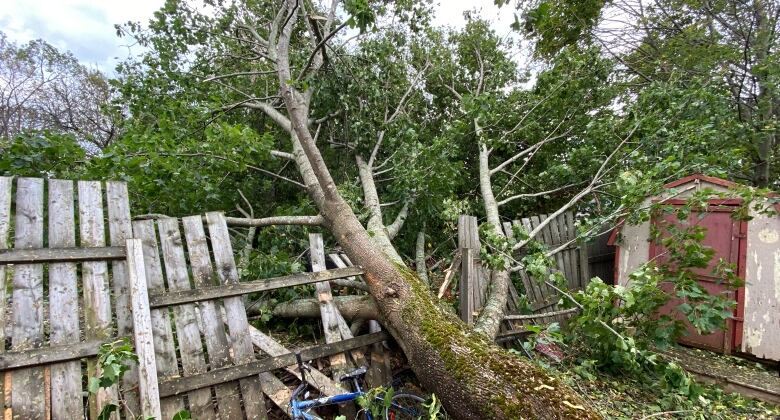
(250, 222)
(541, 315)
(351, 307)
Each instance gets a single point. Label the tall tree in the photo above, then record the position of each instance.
(715, 62)
(42, 88)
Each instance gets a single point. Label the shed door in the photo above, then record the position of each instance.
(725, 236)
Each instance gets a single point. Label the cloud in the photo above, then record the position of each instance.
(84, 27)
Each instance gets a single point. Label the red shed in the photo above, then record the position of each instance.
(753, 246)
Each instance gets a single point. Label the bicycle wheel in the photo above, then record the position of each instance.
(405, 406)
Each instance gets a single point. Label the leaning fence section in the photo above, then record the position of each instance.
(62, 251)
(559, 235)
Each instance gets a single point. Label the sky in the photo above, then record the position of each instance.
(86, 27)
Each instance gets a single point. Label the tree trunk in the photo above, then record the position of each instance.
(473, 377)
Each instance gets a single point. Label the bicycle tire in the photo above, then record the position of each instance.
(405, 406)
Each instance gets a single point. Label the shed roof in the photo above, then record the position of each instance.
(690, 179)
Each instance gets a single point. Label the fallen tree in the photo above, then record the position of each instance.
(472, 376)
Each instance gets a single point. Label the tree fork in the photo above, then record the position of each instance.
(473, 377)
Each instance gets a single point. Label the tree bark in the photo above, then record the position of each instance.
(474, 378)
(351, 308)
(492, 313)
(419, 257)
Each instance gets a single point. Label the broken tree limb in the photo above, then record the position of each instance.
(351, 307)
(274, 220)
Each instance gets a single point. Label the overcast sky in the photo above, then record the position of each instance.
(86, 27)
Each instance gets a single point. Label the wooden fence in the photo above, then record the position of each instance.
(50, 324)
(571, 260)
(170, 284)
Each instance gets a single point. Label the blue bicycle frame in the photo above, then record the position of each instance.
(297, 407)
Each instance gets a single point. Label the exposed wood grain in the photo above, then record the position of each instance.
(188, 336)
(162, 333)
(216, 339)
(49, 355)
(66, 398)
(48, 255)
(28, 400)
(238, 326)
(186, 384)
(158, 300)
(94, 278)
(5, 226)
(142, 331)
(119, 230)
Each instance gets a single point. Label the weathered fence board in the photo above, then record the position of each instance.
(119, 230)
(164, 346)
(53, 255)
(5, 227)
(66, 401)
(27, 399)
(237, 289)
(97, 299)
(238, 325)
(142, 328)
(193, 360)
(228, 400)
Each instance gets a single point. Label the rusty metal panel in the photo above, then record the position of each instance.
(723, 236)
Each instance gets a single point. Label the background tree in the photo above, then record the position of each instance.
(42, 88)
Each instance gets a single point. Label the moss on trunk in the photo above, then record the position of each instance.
(493, 382)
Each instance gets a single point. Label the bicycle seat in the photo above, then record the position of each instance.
(354, 374)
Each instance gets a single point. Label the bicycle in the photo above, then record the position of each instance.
(402, 405)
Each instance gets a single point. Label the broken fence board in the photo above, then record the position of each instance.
(66, 395)
(142, 327)
(272, 348)
(186, 384)
(28, 400)
(215, 336)
(328, 310)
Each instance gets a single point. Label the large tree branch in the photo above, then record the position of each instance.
(537, 194)
(275, 220)
(398, 223)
